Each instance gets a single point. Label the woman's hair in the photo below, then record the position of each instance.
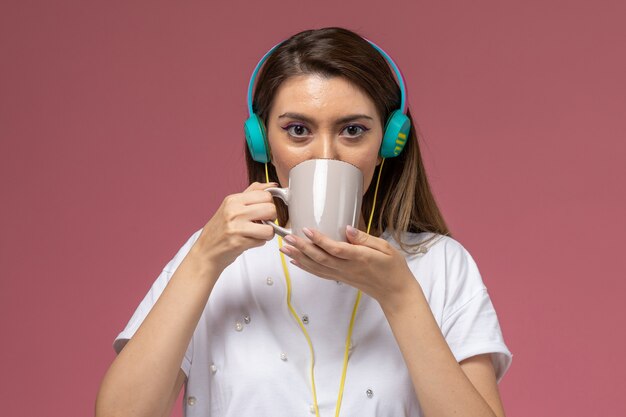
(405, 201)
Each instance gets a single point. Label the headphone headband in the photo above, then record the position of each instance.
(403, 92)
(256, 70)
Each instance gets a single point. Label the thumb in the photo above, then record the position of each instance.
(356, 236)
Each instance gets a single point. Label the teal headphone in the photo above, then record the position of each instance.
(396, 129)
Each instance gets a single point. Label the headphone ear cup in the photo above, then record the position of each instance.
(396, 134)
(256, 137)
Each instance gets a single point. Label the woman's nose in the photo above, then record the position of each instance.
(326, 147)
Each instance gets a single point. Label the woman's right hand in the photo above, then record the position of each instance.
(234, 227)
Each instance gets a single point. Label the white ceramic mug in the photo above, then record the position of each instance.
(323, 194)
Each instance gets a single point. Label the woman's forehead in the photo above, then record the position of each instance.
(314, 92)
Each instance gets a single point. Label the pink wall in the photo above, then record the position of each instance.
(121, 132)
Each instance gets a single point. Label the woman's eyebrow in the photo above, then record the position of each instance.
(339, 121)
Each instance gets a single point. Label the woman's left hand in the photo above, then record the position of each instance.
(365, 262)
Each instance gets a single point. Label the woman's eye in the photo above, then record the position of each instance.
(296, 130)
(355, 130)
(299, 131)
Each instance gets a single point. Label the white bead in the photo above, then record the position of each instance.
(246, 319)
(213, 368)
(283, 357)
(191, 401)
(269, 281)
(369, 393)
(238, 326)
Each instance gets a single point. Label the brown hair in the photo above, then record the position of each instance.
(406, 201)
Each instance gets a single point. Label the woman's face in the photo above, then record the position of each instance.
(317, 117)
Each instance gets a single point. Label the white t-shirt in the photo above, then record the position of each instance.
(249, 357)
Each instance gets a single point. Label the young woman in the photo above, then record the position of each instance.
(394, 322)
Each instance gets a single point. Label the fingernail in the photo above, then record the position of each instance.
(352, 231)
(290, 239)
(307, 232)
(285, 250)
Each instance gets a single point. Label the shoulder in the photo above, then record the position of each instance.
(434, 244)
(440, 258)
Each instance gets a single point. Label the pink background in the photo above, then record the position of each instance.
(121, 128)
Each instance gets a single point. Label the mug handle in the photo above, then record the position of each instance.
(283, 194)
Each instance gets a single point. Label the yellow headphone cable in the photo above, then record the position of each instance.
(352, 318)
